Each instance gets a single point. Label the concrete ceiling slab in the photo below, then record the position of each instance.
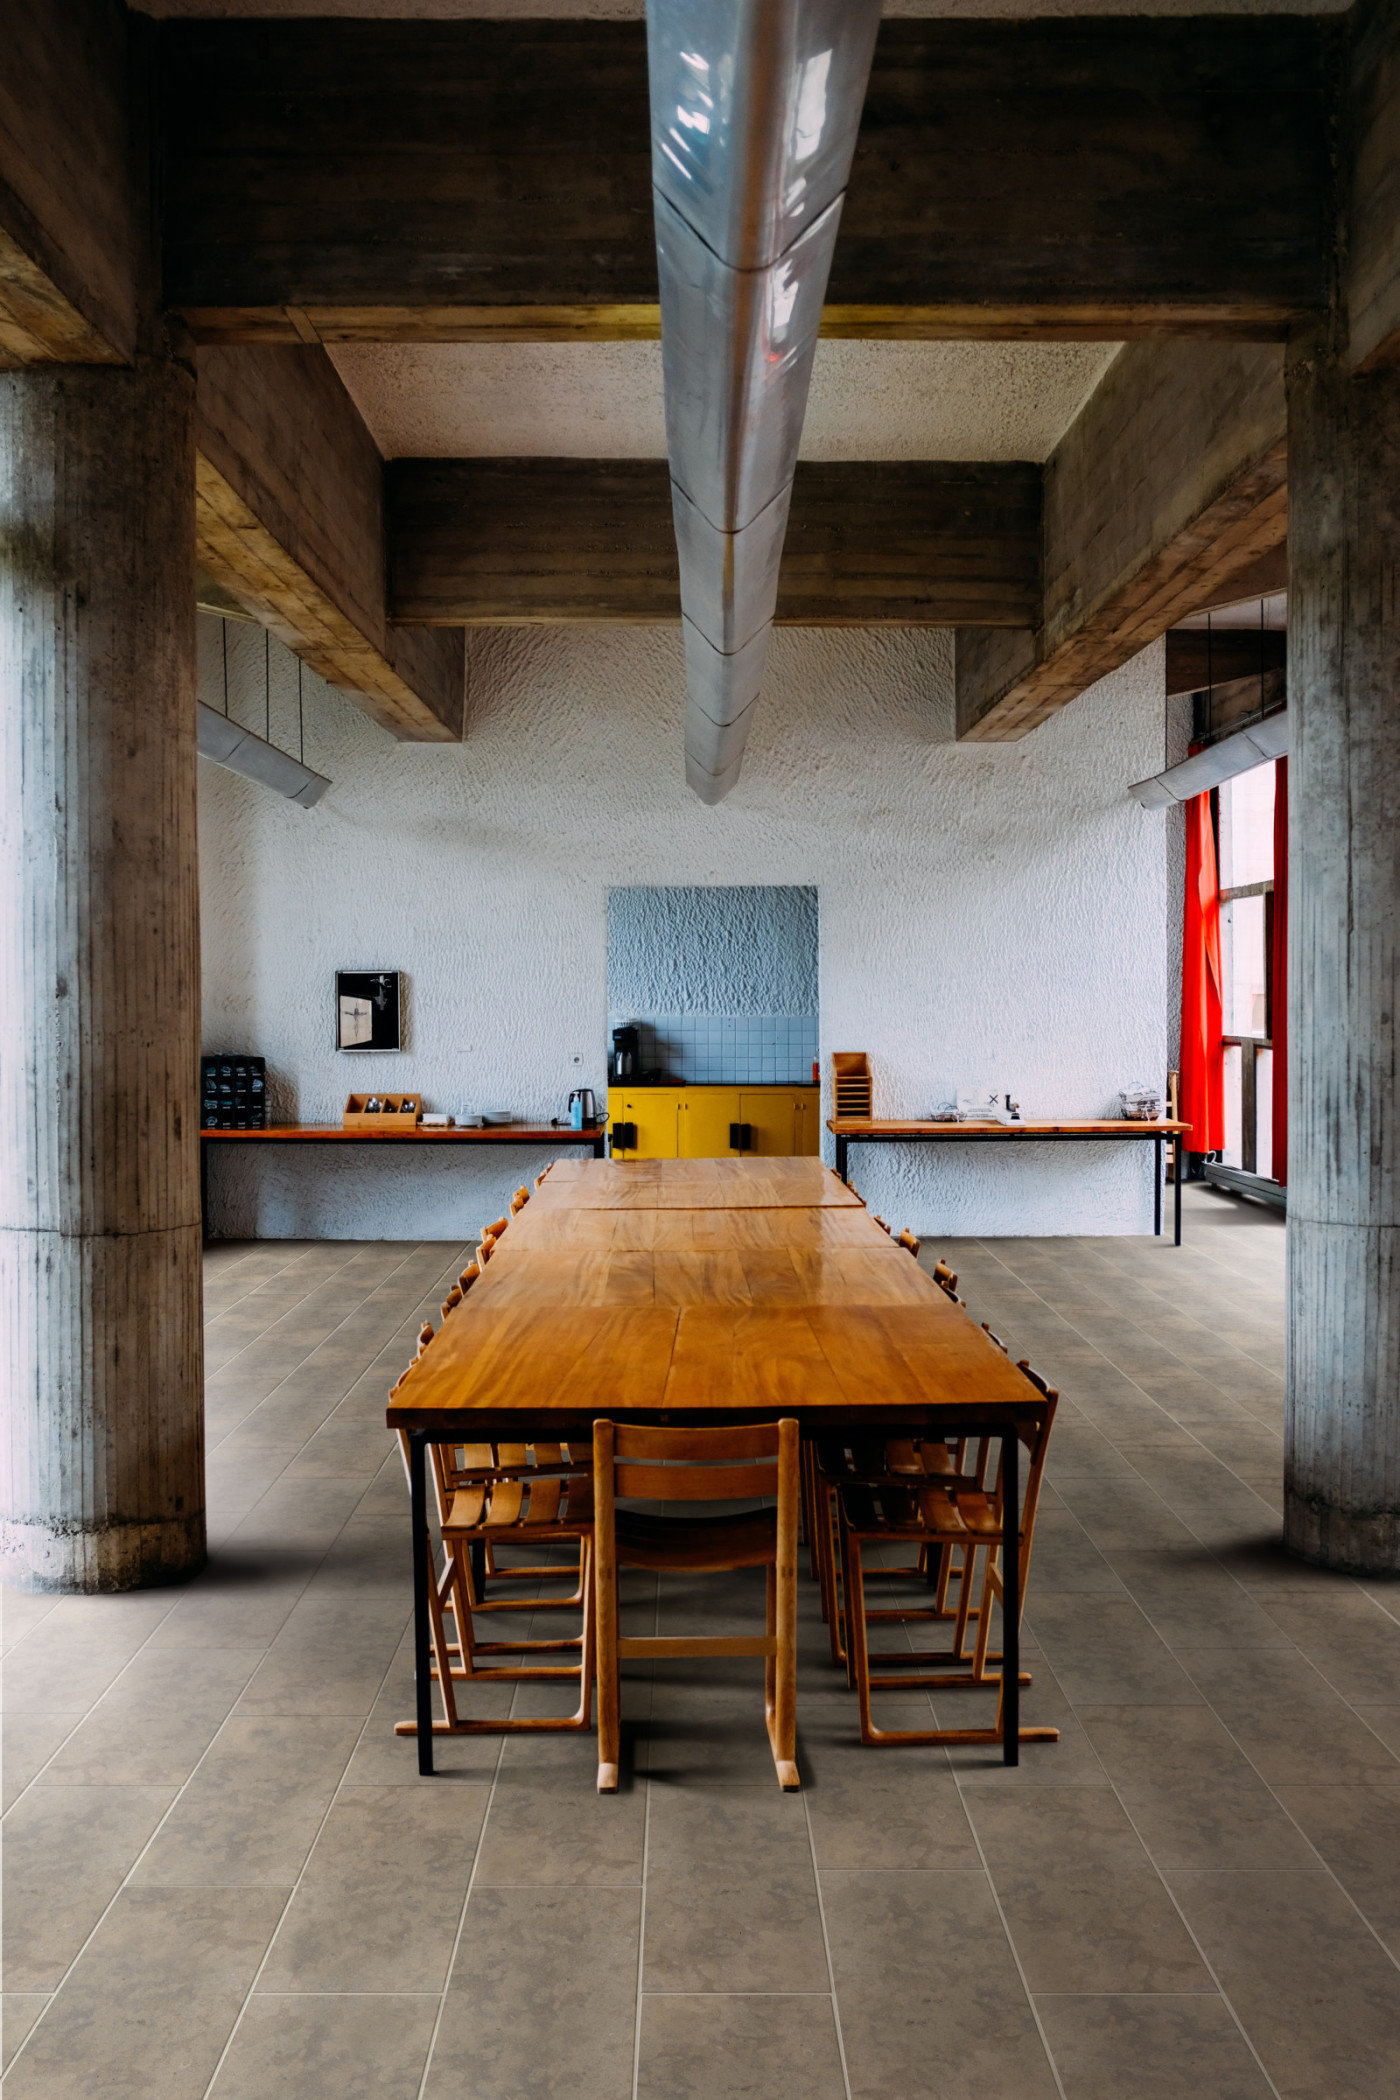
(630, 10)
(869, 400)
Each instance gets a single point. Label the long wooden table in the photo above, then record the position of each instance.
(684, 1292)
(914, 1130)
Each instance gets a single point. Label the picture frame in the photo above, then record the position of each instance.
(368, 1011)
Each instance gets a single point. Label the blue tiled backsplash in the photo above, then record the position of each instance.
(727, 1049)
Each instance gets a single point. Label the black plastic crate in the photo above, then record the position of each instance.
(233, 1092)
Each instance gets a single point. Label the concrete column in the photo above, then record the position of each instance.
(101, 1448)
(1343, 1401)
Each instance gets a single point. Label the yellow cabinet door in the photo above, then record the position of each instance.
(772, 1122)
(653, 1111)
(706, 1116)
(807, 1133)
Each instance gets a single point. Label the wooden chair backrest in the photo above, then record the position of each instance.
(910, 1241)
(945, 1278)
(494, 1230)
(468, 1277)
(879, 1221)
(519, 1200)
(738, 1462)
(485, 1251)
(994, 1338)
(542, 1173)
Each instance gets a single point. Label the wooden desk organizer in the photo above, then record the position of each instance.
(393, 1115)
(850, 1083)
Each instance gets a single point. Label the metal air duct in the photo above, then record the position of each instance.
(1239, 753)
(755, 106)
(227, 744)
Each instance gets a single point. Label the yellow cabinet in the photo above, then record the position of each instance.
(807, 1123)
(770, 1118)
(652, 1113)
(696, 1122)
(707, 1118)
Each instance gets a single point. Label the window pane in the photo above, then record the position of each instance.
(1247, 828)
(1264, 1113)
(1234, 1125)
(1242, 964)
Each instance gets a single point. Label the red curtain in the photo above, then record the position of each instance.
(1278, 1020)
(1202, 1018)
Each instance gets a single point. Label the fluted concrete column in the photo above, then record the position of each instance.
(1343, 1421)
(102, 1438)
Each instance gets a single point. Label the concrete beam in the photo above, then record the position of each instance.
(75, 250)
(898, 543)
(1170, 482)
(1373, 286)
(290, 520)
(436, 181)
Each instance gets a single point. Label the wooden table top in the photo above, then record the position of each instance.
(735, 1277)
(542, 1226)
(805, 1308)
(924, 1126)
(694, 1184)
(498, 1370)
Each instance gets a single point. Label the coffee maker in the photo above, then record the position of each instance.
(626, 1047)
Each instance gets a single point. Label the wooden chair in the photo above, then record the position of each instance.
(947, 1282)
(699, 1465)
(518, 1201)
(835, 1462)
(498, 1494)
(486, 1249)
(879, 1221)
(951, 1511)
(909, 1240)
(495, 1229)
(544, 1171)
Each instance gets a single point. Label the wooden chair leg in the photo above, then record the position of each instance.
(785, 1672)
(609, 1725)
(855, 1629)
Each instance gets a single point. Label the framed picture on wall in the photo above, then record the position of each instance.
(367, 1011)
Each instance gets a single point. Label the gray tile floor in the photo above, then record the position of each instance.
(224, 1876)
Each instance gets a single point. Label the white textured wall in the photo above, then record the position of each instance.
(987, 911)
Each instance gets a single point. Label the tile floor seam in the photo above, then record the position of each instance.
(359, 1305)
(461, 1915)
(291, 1898)
(646, 1857)
(1206, 1962)
(1186, 1430)
(1006, 1929)
(303, 1361)
(126, 1880)
(252, 1292)
(322, 1282)
(826, 1946)
(172, 1805)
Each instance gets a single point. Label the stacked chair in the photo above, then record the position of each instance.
(935, 1496)
(494, 1495)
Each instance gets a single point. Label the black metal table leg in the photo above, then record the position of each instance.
(842, 1149)
(600, 1144)
(1011, 1599)
(1176, 1184)
(422, 1629)
(1157, 1191)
